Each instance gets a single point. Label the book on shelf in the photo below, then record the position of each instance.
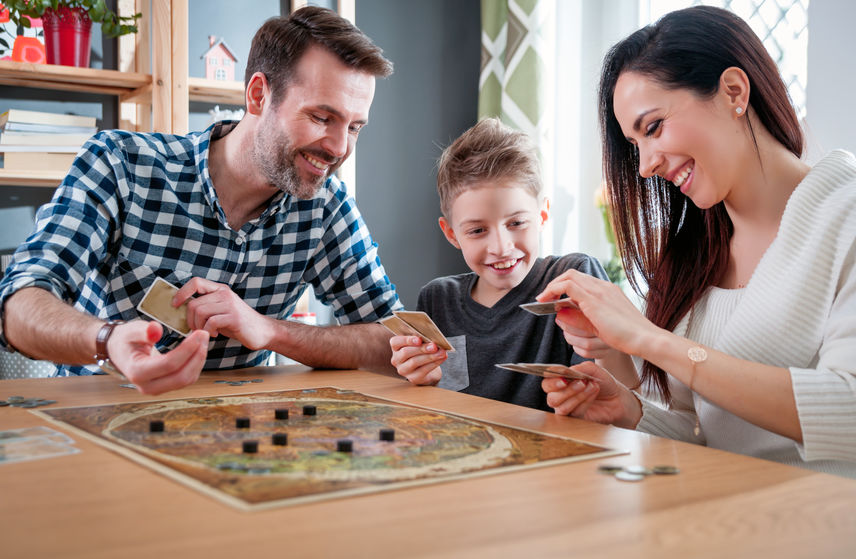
(37, 161)
(47, 128)
(36, 139)
(39, 117)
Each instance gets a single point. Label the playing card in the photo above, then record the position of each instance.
(33, 432)
(423, 324)
(546, 370)
(549, 307)
(416, 323)
(33, 448)
(400, 328)
(157, 304)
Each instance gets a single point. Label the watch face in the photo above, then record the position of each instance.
(697, 354)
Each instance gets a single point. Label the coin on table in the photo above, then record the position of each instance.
(664, 469)
(609, 468)
(638, 470)
(627, 476)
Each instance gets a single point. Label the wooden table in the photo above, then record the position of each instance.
(98, 504)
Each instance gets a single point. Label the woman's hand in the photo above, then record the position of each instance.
(601, 398)
(607, 313)
(580, 333)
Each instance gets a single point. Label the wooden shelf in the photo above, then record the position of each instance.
(50, 179)
(213, 91)
(71, 78)
(161, 91)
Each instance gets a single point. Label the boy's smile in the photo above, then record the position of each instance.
(497, 226)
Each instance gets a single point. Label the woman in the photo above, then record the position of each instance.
(749, 254)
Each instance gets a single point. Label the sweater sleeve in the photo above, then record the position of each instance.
(673, 424)
(826, 394)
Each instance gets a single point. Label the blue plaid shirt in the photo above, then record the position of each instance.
(136, 206)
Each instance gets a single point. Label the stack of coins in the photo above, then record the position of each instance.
(635, 472)
(21, 402)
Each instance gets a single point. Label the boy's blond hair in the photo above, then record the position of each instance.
(488, 151)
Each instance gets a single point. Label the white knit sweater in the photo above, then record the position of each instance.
(797, 312)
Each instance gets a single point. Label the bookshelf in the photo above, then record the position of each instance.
(154, 91)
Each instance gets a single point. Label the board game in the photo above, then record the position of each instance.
(268, 449)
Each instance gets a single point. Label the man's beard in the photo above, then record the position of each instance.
(274, 153)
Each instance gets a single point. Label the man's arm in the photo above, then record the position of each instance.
(215, 308)
(353, 346)
(41, 326)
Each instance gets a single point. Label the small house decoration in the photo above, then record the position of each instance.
(219, 60)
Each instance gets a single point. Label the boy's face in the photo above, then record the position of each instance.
(497, 225)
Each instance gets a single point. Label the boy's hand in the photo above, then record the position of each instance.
(416, 361)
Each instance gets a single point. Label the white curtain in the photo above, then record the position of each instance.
(585, 30)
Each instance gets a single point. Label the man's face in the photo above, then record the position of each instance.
(300, 142)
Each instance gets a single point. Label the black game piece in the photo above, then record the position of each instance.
(281, 413)
(156, 426)
(250, 447)
(242, 423)
(309, 410)
(345, 445)
(280, 439)
(387, 434)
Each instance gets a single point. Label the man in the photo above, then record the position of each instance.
(243, 217)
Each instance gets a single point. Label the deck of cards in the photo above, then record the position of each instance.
(549, 307)
(157, 304)
(546, 370)
(416, 323)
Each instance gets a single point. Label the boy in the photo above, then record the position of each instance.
(489, 184)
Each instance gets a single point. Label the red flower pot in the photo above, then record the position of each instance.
(67, 33)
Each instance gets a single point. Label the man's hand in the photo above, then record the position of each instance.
(132, 350)
(218, 310)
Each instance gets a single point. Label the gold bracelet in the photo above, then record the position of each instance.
(696, 355)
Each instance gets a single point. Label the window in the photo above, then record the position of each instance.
(782, 26)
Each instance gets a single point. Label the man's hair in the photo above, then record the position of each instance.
(281, 41)
(488, 151)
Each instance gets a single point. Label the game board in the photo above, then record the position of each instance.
(202, 447)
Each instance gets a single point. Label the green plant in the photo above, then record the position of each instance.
(613, 267)
(112, 24)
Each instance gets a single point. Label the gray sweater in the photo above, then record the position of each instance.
(504, 333)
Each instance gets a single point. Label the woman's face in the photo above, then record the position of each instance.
(691, 142)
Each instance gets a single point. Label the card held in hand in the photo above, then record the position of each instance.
(549, 307)
(416, 323)
(157, 304)
(546, 370)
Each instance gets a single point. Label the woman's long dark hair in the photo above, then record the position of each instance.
(665, 241)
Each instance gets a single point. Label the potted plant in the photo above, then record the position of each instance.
(67, 25)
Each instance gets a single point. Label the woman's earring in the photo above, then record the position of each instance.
(739, 111)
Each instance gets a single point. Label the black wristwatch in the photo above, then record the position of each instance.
(102, 358)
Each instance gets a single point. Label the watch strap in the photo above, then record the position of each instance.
(101, 339)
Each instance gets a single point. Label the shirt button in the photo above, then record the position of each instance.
(239, 240)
